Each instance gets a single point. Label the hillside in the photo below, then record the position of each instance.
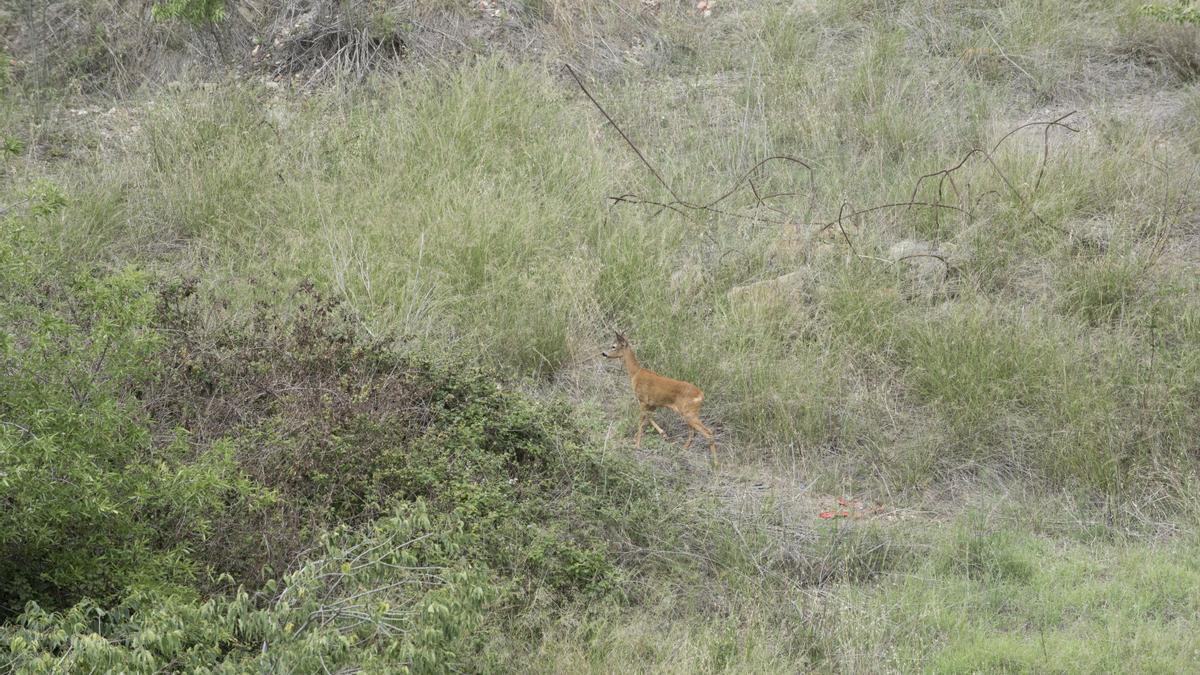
(302, 311)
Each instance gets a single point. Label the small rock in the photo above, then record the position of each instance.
(687, 278)
(789, 287)
(922, 258)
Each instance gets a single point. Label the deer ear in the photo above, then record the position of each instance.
(620, 338)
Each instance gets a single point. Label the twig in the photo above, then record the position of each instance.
(620, 131)
(853, 214)
(10, 207)
(678, 204)
(1055, 122)
(812, 182)
(944, 176)
(842, 229)
(936, 256)
(683, 208)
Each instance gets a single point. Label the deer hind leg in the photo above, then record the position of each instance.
(688, 417)
(694, 422)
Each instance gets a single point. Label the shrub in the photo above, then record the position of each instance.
(92, 503)
(342, 425)
(161, 450)
(195, 12)
(154, 436)
(1182, 12)
(395, 596)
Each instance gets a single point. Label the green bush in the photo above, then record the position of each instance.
(395, 597)
(1182, 12)
(92, 503)
(195, 12)
(162, 448)
(341, 426)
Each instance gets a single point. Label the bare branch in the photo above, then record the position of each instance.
(616, 126)
(845, 210)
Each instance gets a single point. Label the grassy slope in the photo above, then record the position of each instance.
(465, 207)
(1068, 608)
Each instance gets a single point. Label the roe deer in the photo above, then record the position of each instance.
(653, 391)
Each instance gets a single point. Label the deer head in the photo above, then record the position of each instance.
(619, 346)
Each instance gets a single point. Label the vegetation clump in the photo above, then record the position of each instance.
(183, 485)
(301, 309)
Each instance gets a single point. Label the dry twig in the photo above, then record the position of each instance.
(945, 177)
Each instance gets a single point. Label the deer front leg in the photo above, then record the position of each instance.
(657, 428)
(647, 416)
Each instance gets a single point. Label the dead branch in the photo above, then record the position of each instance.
(812, 182)
(1051, 123)
(678, 204)
(616, 126)
(908, 204)
(935, 256)
(945, 178)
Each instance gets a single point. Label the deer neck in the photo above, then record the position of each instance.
(631, 363)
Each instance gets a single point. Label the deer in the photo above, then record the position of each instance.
(654, 391)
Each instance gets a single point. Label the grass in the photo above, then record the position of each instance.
(982, 593)
(464, 206)
(1005, 600)
(506, 252)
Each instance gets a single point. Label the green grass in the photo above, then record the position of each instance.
(983, 593)
(466, 210)
(1005, 600)
(463, 206)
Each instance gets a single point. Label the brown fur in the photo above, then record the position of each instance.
(654, 391)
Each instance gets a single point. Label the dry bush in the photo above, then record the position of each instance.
(96, 46)
(310, 401)
(1170, 48)
(117, 45)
